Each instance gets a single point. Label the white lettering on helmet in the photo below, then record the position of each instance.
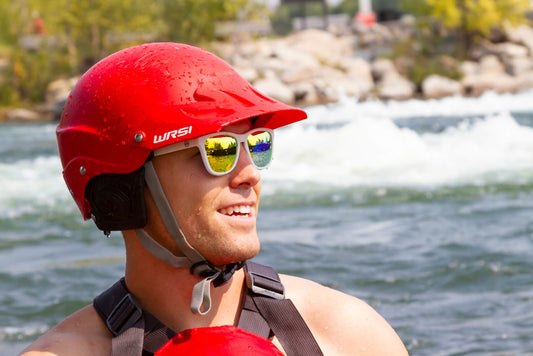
(173, 134)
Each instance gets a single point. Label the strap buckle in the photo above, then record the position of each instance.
(264, 285)
(124, 315)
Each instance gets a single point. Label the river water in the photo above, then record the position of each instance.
(424, 209)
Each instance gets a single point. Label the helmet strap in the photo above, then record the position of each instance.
(161, 252)
(168, 215)
(197, 264)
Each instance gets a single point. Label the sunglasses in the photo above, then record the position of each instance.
(220, 150)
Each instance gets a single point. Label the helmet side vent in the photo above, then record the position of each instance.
(264, 97)
(202, 98)
(240, 99)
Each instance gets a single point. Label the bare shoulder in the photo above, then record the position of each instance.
(342, 324)
(82, 333)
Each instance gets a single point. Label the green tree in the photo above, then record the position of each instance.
(194, 21)
(349, 7)
(94, 28)
(78, 33)
(478, 16)
(470, 19)
(74, 34)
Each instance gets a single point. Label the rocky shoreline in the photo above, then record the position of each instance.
(313, 67)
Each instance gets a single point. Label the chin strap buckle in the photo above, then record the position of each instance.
(228, 272)
(203, 269)
(201, 293)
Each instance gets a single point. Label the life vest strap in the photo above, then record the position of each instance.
(124, 315)
(265, 312)
(132, 333)
(263, 280)
(270, 307)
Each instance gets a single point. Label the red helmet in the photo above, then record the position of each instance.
(148, 96)
(218, 340)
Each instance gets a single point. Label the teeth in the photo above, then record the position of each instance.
(242, 209)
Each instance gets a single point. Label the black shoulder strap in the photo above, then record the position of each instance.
(135, 331)
(267, 312)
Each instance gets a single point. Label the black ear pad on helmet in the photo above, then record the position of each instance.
(117, 201)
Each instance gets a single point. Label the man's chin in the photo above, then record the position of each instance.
(234, 258)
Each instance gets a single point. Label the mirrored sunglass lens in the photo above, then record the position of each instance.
(221, 153)
(260, 146)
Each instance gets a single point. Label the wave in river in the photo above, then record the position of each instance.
(374, 151)
(393, 146)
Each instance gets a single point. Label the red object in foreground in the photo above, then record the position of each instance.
(219, 340)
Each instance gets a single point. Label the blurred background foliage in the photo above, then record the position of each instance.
(448, 30)
(467, 20)
(46, 39)
(42, 40)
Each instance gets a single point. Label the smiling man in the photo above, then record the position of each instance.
(164, 142)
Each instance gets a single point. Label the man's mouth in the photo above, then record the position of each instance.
(237, 210)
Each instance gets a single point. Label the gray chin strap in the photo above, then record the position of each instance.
(198, 265)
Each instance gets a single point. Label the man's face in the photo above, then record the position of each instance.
(205, 205)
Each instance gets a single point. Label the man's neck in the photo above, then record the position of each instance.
(166, 291)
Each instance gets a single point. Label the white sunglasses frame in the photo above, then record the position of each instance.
(199, 142)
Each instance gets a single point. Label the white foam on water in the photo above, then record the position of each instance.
(455, 106)
(30, 184)
(14, 332)
(352, 143)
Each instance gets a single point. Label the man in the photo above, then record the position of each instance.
(164, 142)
